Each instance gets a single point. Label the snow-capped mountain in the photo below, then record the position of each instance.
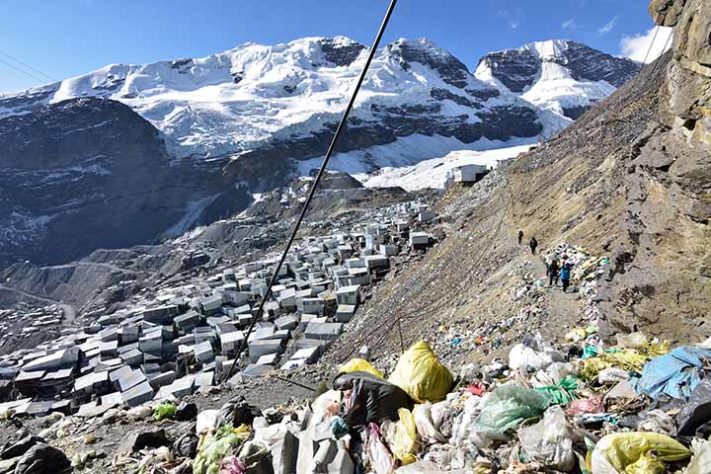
(254, 95)
(129, 153)
(562, 76)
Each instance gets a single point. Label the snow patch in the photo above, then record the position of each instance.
(432, 173)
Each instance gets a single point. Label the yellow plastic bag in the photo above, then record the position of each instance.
(419, 373)
(626, 359)
(647, 464)
(405, 442)
(618, 452)
(360, 365)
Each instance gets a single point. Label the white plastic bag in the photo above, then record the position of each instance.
(425, 426)
(207, 421)
(550, 441)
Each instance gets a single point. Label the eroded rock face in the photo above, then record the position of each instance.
(518, 69)
(690, 74)
(89, 173)
(661, 278)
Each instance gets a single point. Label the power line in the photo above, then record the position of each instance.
(654, 37)
(29, 74)
(320, 174)
(28, 66)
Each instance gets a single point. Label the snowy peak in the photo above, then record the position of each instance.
(563, 76)
(425, 52)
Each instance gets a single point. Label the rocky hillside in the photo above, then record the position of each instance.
(628, 181)
(565, 77)
(101, 160)
(90, 173)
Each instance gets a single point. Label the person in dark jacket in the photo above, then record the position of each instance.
(553, 270)
(565, 276)
(520, 237)
(533, 243)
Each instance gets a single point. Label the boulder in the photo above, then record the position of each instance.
(20, 447)
(43, 459)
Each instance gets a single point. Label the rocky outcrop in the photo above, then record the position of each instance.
(660, 274)
(519, 68)
(90, 173)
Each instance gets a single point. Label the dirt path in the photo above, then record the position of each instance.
(69, 311)
(564, 308)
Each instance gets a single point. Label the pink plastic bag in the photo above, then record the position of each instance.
(586, 405)
(380, 458)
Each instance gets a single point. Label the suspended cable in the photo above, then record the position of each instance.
(649, 49)
(314, 186)
(27, 73)
(28, 66)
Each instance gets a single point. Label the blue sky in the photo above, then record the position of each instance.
(63, 38)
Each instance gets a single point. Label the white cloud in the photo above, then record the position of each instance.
(636, 47)
(513, 17)
(569, 25)
(607, 27)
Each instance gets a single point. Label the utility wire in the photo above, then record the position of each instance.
(320, 174)
(649, 49)
(28, 66)
(27, 73)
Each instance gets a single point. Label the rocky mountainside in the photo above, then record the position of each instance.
(628, 183)
(90, 173)
(101, 160)
(565, 77)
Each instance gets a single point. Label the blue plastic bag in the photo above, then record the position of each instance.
(675, 374)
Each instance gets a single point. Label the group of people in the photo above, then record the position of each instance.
(556, 270)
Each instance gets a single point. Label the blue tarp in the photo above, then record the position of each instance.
(675, 374)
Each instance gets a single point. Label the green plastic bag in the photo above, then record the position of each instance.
(561, 393)
(216, 447)
(163, 411)
(508, 406)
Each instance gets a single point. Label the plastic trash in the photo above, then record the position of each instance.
(626, 359)
(163, 411)
(614, 453)
(372, 399)
(419, 373)
(594, 404)
(701, 458)
(463, 422)
(612, 375)
(550, 441)
(216, 446)
(648, 463)
(522, 356)
(405, 442)
(561, 393)
(443, 414)
(207, 421)
(635, 340)
(656, 421)
(675, 374)
(425, 425)
(507, 407)
(697, 412)
(232, 465)
(360, 365)
(381, 462)
(553, 374)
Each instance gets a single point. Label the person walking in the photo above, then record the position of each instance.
(533, 244)
(553, 272)
(520, 237)
(565, 276)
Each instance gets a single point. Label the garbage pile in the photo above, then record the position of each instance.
(629, 408)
